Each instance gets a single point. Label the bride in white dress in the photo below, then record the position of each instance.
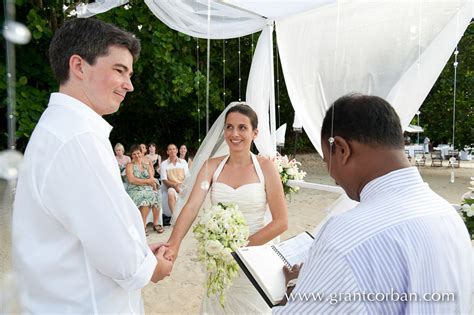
(252, 183)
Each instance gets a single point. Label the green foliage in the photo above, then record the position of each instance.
(437, 110)
(34, 78)
(168, 104)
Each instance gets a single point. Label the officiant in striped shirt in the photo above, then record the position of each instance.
(403, 249)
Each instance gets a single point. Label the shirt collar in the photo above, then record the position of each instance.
(391, 181)
(71, 103)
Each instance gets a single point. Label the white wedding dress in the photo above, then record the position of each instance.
(241, 297)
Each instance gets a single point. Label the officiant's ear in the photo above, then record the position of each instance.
(342, 148)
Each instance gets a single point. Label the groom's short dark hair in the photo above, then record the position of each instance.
(89, 38)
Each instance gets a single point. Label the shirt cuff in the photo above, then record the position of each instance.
(142, 276)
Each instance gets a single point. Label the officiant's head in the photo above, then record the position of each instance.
(361, 139)
(240, 127)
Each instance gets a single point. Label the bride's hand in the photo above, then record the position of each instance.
(171, 252)
(155, 246)
(164, 266)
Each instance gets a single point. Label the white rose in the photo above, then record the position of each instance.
(206, 217)
(213, 226)
(232, 230)
(291, 171)
(227, 215)
(216, 209)
(226, 255)
(465, 207)
(470, 212)
(213, 247)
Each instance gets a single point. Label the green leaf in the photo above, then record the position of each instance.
(23, 80)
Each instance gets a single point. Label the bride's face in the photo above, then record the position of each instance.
(238, 132)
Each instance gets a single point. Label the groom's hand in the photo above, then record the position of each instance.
(163, 267)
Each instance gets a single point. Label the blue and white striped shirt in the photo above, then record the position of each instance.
(401, 249)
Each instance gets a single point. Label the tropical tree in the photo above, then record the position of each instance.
(437, 110)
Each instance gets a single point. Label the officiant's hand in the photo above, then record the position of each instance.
(291, 273)
(163, 267)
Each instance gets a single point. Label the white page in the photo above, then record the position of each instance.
(267, 268)
(296, 248)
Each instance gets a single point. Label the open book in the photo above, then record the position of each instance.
(263, 265)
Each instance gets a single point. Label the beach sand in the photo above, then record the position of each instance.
(182, 292)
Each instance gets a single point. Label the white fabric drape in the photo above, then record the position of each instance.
(393, 49)
(190, 17)
(259, 90)
(97, 7)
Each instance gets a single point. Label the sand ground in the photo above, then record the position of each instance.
(182, 292)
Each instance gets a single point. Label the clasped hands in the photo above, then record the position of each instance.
(165, 255)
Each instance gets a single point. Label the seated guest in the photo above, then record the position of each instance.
(144, 151)
(183, 154)
(122, 159)
(155, 161)
(154, 158)
(173, 171)
(143, 187)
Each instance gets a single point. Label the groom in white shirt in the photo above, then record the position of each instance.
(78, 239)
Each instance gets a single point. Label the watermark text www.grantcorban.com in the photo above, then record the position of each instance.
(392, 296)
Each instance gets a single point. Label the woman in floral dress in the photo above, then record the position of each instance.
(143, 187)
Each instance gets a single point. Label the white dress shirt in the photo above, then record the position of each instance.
(78, 239)
(401, 239)
(167, 165)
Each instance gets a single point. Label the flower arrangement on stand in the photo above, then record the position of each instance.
(221, 230)
(288, 169)
(467, 210)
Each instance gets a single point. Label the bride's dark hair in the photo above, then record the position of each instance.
(246, 110)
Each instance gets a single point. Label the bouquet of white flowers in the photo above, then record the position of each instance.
(221, 230)
(467, 210)
(288, 169)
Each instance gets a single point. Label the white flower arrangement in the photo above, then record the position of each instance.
(221, 230)
(288, 169)
(467, 210)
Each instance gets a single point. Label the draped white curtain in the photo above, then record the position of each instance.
(97, 7)
(190, 17)
(260, 92)
(393, 49)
